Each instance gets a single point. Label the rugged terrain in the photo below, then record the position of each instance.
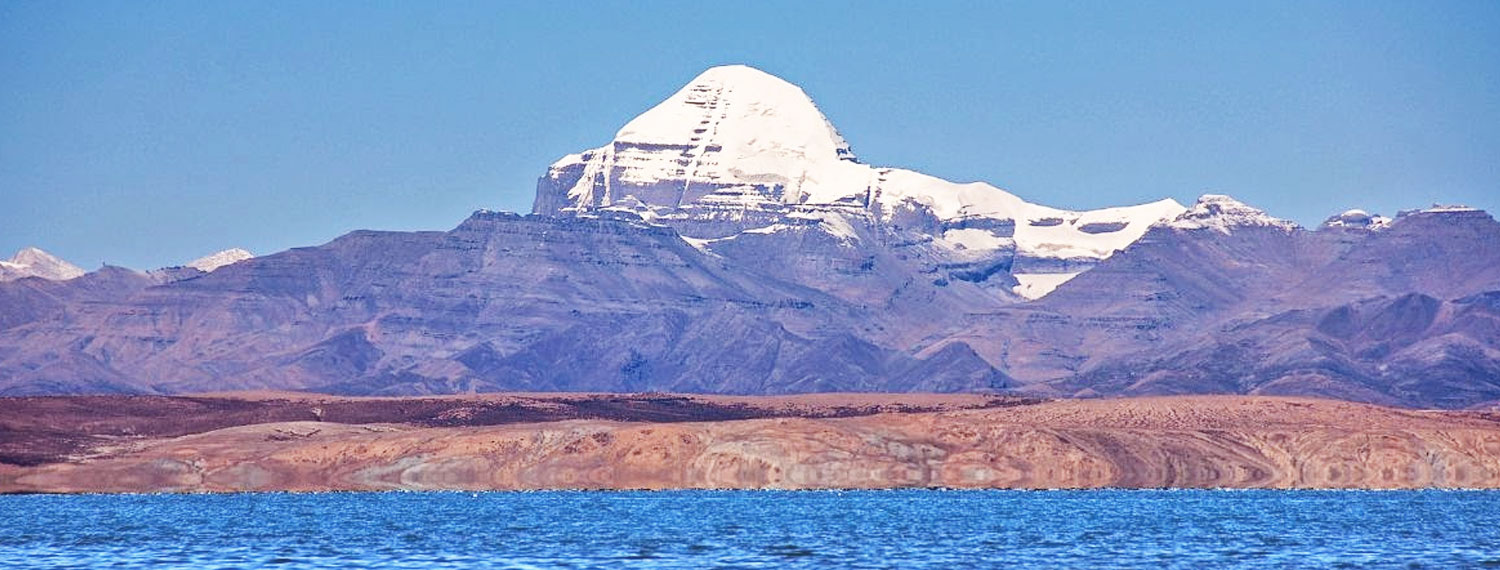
(821, 441)
(729, 241)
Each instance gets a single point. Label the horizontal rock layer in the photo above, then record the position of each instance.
(1161, 442)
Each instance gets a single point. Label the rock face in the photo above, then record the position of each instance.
(33, 262)
(502, 302)
(1406, 349)
(738, 157)
(1399, 313)
(1233, 442)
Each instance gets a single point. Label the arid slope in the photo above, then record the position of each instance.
(1229, 441)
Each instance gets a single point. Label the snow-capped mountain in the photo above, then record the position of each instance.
(1357, 219)
(33, 262)
(213, 261)
(1222, 213)
(740, 151)
(729, 241)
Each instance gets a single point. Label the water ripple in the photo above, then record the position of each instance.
(714, 529)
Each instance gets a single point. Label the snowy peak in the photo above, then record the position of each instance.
(739, 138)
(747, 113)
(733, 136)
(1223, 213)
(208, 263)
(34, 257)
(33, 262)
(1357, 219)
(739, 152)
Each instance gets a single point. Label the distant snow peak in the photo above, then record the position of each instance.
(1223, 213)
(734, 135)
(210, 262)
(1448, 208)
(33, 262)
(1357, 219)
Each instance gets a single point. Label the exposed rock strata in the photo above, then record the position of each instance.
(503, 302)
(1402, 314)
(1173, 442)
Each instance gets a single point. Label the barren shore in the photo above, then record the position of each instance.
(305, 442)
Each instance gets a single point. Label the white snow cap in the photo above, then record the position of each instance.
(734, 125)
(1357, 218)
(751, 113)
(1222, 213)
(1439, 208)
(210, 262)
(737, 139)
(33, 262)
(739, 126)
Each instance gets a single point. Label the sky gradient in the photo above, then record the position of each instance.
(145, 134)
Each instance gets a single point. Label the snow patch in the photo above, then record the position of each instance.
(976, 239)
(979, 201)
(1357, 218)
(699, 244)
(1038, 285)
(1450, 208)
(213, 261)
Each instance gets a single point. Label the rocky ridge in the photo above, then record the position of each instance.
(753, 253)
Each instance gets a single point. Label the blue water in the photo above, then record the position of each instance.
(711, 529)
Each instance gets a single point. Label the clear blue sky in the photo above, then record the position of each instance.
(148, 133)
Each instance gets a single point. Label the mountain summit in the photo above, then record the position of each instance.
(1222, 213)
(736, 125)
(213, 261)
(731, 127)
(738, 150)
(33, 262)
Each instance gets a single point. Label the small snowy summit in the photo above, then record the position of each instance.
(33, 262)
(210, 262)
(1222, 213)
(740, 152)
(1357, 219)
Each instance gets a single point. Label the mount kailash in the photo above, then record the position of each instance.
(729, 240)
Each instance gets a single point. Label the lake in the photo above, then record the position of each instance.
(750, 529)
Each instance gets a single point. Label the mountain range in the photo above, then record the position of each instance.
(729, 240)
